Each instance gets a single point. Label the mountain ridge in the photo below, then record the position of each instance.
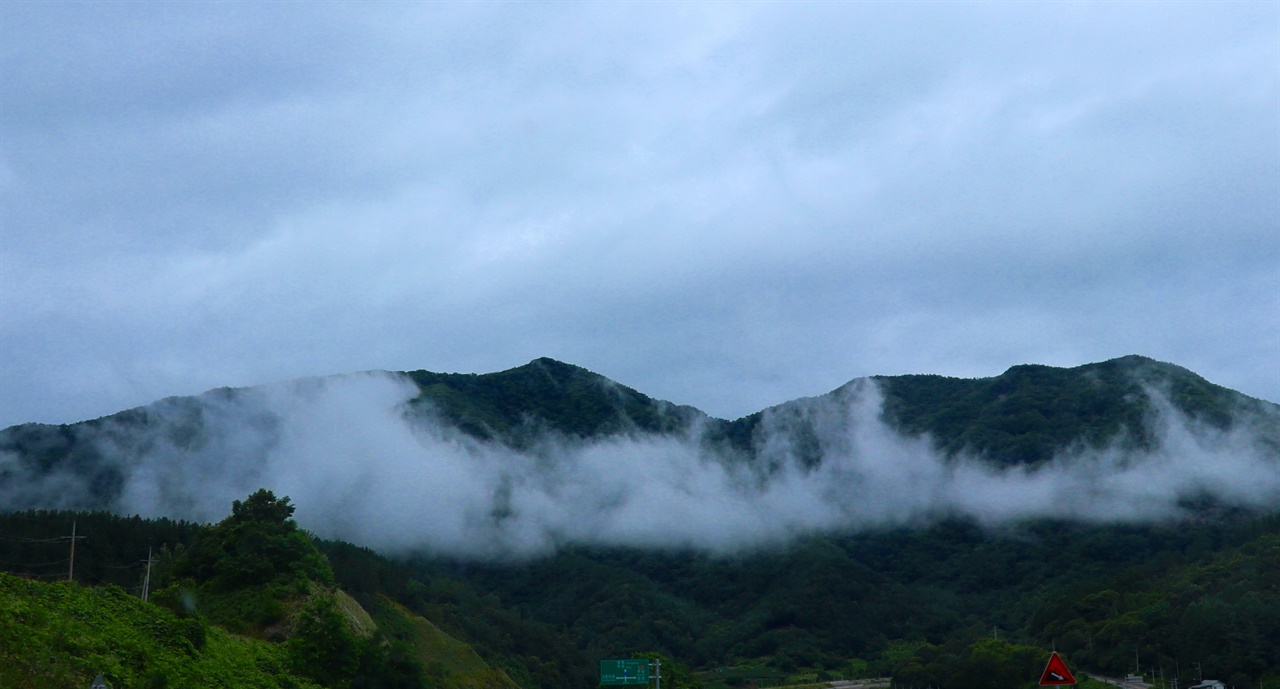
(549, 412)
(559, 371)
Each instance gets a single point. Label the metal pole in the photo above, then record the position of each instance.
(657, 673)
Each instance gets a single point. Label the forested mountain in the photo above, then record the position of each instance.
(1030, 412)
(515, 406)
(942, 531)
(1026, 416)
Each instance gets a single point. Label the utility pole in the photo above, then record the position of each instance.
(657, 673)
(71, 569)
(146, 580)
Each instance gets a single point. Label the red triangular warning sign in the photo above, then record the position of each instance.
(1056, 672)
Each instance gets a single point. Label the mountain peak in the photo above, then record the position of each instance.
(557, 372)
(1032, 411)
(515, 404)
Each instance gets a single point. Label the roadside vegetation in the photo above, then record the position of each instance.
(248, 602)
(253, 601)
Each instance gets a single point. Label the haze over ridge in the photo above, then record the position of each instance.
(363, 463)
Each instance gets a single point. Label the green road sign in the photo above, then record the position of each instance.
(624, 672)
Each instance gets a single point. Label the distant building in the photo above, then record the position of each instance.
(1208, 684)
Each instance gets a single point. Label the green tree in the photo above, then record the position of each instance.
(258, 543)
(263, 506)
(322, 647)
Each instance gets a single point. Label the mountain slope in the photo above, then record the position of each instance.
(249, 602)
(491, 450)
(1029, 413)
(517, 405)
(62, 634)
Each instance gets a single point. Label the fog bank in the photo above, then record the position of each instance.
(360, 468)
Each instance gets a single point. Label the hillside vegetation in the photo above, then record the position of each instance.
(923, 604)
(248, 602)
(940, 606)
(63, 635)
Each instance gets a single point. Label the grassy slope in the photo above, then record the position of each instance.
(445, 657)
(63, 634)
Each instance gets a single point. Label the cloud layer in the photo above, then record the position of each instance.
(359, 468)
(727, 204)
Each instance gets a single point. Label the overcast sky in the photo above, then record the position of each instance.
(724, 205)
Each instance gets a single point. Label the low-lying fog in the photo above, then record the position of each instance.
(360, 469)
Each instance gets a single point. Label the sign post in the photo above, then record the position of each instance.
(619, 672)
(1056, 673)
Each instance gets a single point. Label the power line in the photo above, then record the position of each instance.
(50, 577)
(23, 539)
(131, 565)
(34, 564)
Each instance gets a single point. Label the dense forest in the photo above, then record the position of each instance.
(952, 605)
(904, 601)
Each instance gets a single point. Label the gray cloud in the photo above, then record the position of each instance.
(724, 205)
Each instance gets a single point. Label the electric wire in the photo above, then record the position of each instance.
(63, 561)
(23, 539)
